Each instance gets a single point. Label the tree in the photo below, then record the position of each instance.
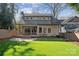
(7, 12)
(74, 6)
(23, 16)
(3, 15)
(55, 8)
(14, 10)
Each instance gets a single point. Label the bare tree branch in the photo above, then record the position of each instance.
(55, 8)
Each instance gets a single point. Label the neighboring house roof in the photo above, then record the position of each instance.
(38, 21)
(72, 24)
(72, 19)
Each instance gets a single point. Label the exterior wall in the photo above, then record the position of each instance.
(71, 36)
(63, 30)
(55, 30)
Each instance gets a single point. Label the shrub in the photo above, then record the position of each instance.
(51, 38)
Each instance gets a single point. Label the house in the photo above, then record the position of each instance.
(38, 25)
(72, 24)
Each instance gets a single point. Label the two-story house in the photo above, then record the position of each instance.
(39, 25)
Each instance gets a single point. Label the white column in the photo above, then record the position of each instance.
(47, 30)
(37, 30)
(23, 29)
(31, 31)
(42, 30)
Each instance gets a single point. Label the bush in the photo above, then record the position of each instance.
(51, 38)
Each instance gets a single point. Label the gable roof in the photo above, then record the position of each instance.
(38, 21)
(37, 14)
(72, 19)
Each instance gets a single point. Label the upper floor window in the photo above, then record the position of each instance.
(35, 17)
(26, 17)
(49, 17)
(30, 17)
(43, 17)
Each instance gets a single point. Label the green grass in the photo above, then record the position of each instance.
(38, 48)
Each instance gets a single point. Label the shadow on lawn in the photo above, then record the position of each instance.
(7, 44)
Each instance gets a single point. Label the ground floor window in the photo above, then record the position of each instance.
(44, 30)
(31, 30)
(49, 30)
(40, 29)
(27, 30)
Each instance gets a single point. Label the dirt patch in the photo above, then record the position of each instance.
(77, 43)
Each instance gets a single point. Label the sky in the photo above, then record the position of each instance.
(28, 7)
(31, 7)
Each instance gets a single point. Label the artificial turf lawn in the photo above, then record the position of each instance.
(38, 48)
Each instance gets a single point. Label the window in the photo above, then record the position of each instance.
(31, 17)
(44, 30)
(35, 18)
(70, 26)
(44, 17)
(49, 30)
(40, 29)
(26, 17)
(41, 18)
(49, 17)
